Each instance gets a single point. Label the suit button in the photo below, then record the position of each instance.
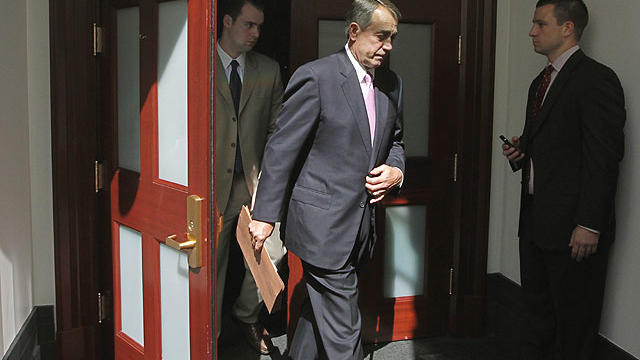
(233, 145)
(361, 204)
(233, 119)
(229, 171)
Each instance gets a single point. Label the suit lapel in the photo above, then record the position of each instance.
(222, 86)
(556, 88)
(353, 93)
(382, 111)
(248, 81)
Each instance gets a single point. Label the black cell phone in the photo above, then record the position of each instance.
(514, 167)
(506, 141)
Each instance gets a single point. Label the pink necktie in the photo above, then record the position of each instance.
(370, 102)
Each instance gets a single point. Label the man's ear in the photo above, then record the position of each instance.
(227, 21)
(568, 29)
(354, 29)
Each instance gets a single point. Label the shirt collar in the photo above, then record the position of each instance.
(562, 59)
(226, 58)
(360, 71)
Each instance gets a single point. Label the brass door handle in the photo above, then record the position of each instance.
(193, 244)
(185, 245)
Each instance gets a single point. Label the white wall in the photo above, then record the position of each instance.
(611, 38)
(40, 151)
(26, 239)
(16, 298)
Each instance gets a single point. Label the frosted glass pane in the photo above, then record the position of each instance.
(411, 59)
(331, 37)
(128, 50)
(405, 230)
(172, 92)
(131, 301)
(174, 303)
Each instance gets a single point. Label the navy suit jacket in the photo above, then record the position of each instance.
(316, 161)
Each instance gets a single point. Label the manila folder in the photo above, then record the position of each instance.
(262, 269)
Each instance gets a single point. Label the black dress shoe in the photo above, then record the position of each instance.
(257, 336)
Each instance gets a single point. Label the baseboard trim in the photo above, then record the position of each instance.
(36, 338)
(504, 295)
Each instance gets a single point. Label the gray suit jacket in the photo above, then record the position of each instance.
(316, 161)
(260, 102)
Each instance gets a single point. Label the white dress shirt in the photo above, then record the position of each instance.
(360, 72)
(226, 63)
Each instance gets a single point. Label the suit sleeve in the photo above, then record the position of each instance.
(299, 115)
(276, 102)
(602, 120)
(396, 157)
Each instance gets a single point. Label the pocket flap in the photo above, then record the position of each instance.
(311, 197)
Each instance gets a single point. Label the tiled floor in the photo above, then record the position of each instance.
(234, 347)
(442, 348)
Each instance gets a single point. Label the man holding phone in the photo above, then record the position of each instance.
(569, 154)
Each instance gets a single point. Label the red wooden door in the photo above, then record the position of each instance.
(158, 59)
(404, 290)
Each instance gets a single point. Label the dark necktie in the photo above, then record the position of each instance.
(537, 104)
(235, 85)
(542, 90)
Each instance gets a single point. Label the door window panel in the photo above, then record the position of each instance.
(404, 255)
(172, 92)
(128, 62)
(411, 59)
(131, 303)
(174, 303)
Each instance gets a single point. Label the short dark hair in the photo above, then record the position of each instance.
(569, 10)
(233, 8)
(361, 12)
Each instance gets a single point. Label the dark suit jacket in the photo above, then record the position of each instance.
(576, 143)
(322, 148)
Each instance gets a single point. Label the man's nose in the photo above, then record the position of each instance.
(387, 45)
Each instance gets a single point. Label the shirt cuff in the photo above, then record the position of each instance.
(586, 228)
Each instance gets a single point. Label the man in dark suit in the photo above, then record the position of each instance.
(248, 99)
(338, 148)
(569, 153)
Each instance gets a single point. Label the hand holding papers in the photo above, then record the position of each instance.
(262, 269)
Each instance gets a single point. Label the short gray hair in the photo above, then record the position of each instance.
(361, 12)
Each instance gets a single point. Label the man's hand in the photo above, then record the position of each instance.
(381, 180)
(583, 243)
(513, 154)
(259, 231)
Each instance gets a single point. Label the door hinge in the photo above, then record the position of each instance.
(459, 49)
(451, 280)
(104, 307)
(455, 167)
(98, 173)
(98, 39)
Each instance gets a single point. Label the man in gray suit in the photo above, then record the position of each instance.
(248, 99)
(336, 151)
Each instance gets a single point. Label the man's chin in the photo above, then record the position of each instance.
(374, 64)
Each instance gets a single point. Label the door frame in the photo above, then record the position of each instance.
(79, 213)
(474, 145)
(81, 216)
